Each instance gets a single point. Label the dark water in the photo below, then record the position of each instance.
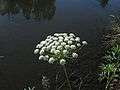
(23, 23)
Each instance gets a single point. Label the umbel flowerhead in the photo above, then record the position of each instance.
(60, 47)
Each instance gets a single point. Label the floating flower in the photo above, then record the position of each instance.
(59, 48)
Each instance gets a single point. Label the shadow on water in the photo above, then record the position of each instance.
(103, 3)
(31, 9)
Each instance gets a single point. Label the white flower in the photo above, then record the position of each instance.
(72, 39)
(50, 45)
(51, 60)
(64, 34)
(43, 42)
(62, 61)
(48, 48)
(61, 40)
(55, 38)
(74, 55)
(36, 51)
(70, 42)
(66, 39)
(59, 47)
(57, 52)
(78, 44)
(41, 57)
(44, 48)
(73, 47)
(47, 40)
(65, 52)
(50, 41)
(48, 37)
(41, 52)
(63, 43)
(71, 34)
(57, 43)
(47, 44)
(46, 57)
(56, 34)
(54, 47)
(77, 39)
(39, 46)
(84, 43)
(52, 50)
(67, 46)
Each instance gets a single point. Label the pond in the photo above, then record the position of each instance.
(23, 23)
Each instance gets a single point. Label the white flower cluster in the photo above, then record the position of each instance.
(59, 47)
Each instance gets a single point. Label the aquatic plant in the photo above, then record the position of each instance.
(59, 48)
(108, 73)
(111, 68)
(113, 55)
(115, 23)
(29, 88)
(45, 82)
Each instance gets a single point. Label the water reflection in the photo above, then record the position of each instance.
(35, 9)
(103, 3)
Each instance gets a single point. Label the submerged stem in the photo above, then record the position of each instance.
(68, 81)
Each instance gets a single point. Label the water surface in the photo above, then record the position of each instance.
(23, 23)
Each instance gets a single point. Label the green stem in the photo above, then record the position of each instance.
(107, 85)
(68, 81)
